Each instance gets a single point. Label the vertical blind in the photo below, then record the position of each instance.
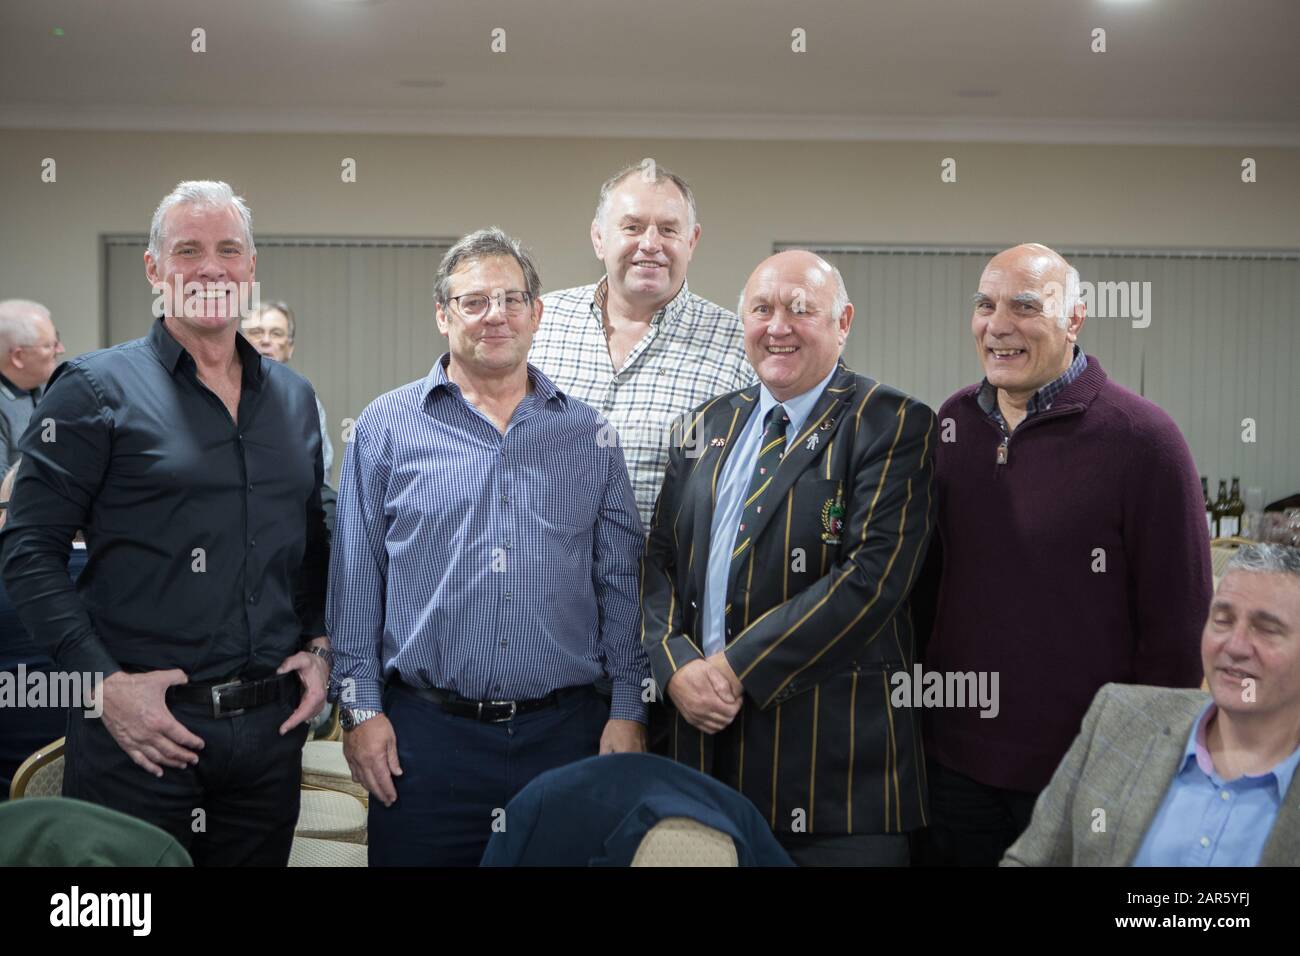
(1219, 350)
(363, 310)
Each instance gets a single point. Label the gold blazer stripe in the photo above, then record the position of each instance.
(884, 474)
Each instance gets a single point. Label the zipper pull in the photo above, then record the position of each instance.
(1002, 449)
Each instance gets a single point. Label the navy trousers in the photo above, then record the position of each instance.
(458, 774)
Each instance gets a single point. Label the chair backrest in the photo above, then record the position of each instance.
(681, 841)
(41, 774)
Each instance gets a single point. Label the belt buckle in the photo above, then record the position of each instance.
(514, 706)
(217, 690)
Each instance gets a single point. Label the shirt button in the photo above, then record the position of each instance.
(250, 489)
(509, 545)
(252, 599)
(504, 499)
(1223, 794)
(1205, 841)
(504, 642)
(507, 595)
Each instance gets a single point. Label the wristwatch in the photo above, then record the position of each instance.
(321, 652)
(350, 718)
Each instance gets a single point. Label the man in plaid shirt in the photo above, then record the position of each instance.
(638, 345)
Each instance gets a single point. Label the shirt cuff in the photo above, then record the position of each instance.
(627, 704)
(355, 693)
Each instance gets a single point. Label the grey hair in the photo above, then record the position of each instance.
(838, 301)
(16, 326)
(1268, 558)
(485, 244)
(200, 192)
(661, 175)
(1071, 296)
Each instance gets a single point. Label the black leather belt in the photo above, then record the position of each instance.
(492, 711)
(231, 698)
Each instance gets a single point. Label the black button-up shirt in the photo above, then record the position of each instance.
(206, 541)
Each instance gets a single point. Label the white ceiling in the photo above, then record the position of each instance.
(1179, 71)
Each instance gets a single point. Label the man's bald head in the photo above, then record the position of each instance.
(1026, 318)
(1060, 279)
(796, 314)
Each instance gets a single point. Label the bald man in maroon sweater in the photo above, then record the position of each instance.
(1073, 549)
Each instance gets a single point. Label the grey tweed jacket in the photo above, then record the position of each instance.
(1127, 752)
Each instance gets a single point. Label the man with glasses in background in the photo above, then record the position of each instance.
(484, 577)
(271, 329)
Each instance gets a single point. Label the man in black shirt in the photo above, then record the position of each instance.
(194, 466)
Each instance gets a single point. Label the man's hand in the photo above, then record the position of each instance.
(623, 737)
(719, 660)
(703, 695)
(314, 672)
(371, 753)
(136, 714)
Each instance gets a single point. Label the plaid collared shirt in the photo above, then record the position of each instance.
(693, 351)
(1042, 399)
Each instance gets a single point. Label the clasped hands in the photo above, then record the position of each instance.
(707, 693)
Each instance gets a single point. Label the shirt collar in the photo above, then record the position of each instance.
(541, 385)
(799, 407)
(1197, 750)
(12, 391)
(170, 352)
(670, 312)
(1043, 398)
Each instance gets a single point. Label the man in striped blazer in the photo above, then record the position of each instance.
(792, 520)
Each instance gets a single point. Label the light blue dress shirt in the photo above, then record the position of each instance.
(501, 567)
(732, 485)
(1205, 821)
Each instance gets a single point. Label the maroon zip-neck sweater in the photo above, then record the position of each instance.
(1102, 480)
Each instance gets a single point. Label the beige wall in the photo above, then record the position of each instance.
(751, 194)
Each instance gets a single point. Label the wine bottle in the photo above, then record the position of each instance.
(1209, 505)
(1220, 506)
(1234, 511)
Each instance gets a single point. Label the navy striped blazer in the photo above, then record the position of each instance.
(817, 619)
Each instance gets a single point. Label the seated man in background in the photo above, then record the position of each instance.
(1169, 777)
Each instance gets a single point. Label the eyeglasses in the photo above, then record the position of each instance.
(257, 332)
(475, 305)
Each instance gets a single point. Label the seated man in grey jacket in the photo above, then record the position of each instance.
(1166, 777)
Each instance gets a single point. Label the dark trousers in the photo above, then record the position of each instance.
(246, 783)
(846, 849)
(458, 774)
(971, 823)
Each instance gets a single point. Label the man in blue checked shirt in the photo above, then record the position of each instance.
(483, 578)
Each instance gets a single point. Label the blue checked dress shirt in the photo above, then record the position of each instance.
(730, 505)
(500, 567)
(1205, 821)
